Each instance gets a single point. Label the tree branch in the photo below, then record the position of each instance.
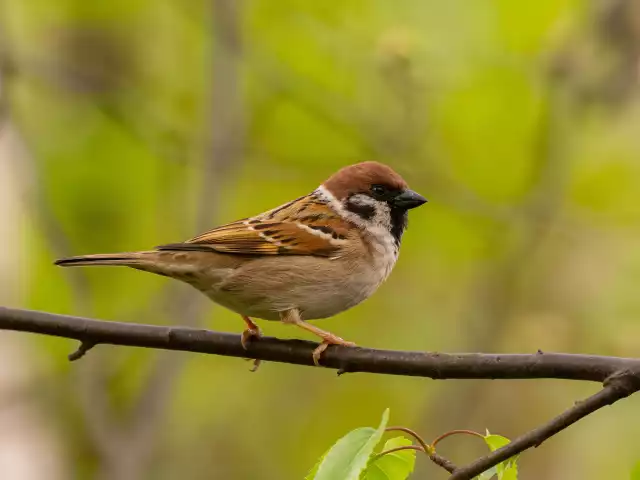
(441, 461)
(621, 376)
(617, 386)
(346, 359)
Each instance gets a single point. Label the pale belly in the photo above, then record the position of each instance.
(309, 284)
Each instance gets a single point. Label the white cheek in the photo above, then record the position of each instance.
(380, 248)
(379, 226)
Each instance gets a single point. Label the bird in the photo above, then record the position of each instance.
(308, 259)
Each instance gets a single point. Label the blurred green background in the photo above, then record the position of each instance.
(132, 123)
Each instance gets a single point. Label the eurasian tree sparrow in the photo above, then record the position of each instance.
(311, 258)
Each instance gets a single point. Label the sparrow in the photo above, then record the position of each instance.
(308, 259)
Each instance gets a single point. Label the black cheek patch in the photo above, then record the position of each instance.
(366, 212)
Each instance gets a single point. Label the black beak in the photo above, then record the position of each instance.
(409, 199)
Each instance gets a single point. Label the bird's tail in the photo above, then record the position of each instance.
(127, 259)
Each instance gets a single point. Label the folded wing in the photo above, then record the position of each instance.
(306, 226)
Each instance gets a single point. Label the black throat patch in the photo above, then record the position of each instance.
(399, 222)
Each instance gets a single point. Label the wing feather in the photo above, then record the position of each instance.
(306, 226)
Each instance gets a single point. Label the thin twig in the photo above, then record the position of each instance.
(82, 349)
(455, 432)
(399, 449)
(618, 386)
(419, 439)
(424, 447)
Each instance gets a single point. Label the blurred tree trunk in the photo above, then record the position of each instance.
(29, 448)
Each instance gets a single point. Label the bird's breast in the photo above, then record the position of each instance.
(383, 254)
(319, 287)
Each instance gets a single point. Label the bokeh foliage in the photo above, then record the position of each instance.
(517, 120)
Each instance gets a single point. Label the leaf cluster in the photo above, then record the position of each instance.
(356, 456)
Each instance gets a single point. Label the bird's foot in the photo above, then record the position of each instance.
(252, 331)
(249, 334)
(256, 364)
(327, 340)
(292, 317)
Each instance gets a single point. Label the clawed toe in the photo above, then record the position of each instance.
(252, 331)
(317, 353)
(292, 317)
(248, 335)
(256, 364)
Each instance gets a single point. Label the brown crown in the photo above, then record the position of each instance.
(359, 178)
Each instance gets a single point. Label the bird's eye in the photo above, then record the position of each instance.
(378, 190)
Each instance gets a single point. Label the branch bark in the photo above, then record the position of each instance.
(433, 365)
(617, 386)
(621, 376)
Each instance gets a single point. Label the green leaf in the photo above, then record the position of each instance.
(510, 472)
(495, 441)
(393, 466)
(349, 456)
(312, 473)
(635, 473)
(507, 470)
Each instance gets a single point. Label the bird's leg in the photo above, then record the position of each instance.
(292, 317)
(251, 331)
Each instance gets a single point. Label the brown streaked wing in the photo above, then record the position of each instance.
(277, 232)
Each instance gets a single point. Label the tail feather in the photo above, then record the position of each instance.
(123, 259)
